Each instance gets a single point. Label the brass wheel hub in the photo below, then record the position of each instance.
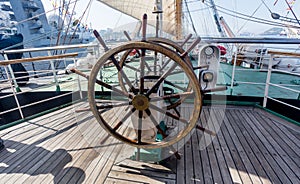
(140, 102)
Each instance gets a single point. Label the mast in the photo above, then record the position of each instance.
(226, 27)
(217, 18)
(178, 4)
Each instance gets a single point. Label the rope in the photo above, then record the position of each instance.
(193, 26)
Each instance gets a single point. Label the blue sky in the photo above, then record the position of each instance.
(102, 17)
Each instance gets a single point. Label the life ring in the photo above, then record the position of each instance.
(222, 49)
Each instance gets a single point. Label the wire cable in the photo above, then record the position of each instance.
(193, 25)
(253, 19)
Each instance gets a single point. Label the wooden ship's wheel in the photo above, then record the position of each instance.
(140, 101)
(150, 87)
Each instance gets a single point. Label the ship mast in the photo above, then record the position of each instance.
(178, 15)
(217, 19)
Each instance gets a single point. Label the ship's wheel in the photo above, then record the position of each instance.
(139, 105)
(147, 81)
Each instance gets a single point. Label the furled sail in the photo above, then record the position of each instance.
(136, 8)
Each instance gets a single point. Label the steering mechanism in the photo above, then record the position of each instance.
(145, 90)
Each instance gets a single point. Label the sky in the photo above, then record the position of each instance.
(101, 17)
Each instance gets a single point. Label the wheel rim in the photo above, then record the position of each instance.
(137, 99)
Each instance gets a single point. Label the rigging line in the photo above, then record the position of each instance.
(38, 15)
(235, 12)
(60, 28)
(292, 11)
(260, 20)
(89, 10)
(204, 23)
(263, 1)
(193, 26)
(250, 16)
(65, 16)
(71, 17)
(196, 10)
(58, 21)
(194, 1)
(80, 19)
(118, 20)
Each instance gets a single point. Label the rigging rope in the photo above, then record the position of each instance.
(257, 20)
(291, 9)
(266, 6)
(250, 16)
(71, 17)
(193, 26)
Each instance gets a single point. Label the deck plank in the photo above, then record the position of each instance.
(262, 143)
(198, 172)
(243, 136)
(206, 167)
(224, 169)
(284, 139)
(188, 160)
(285, 146)
(231, 142)
(27, 153)
(240, 146)
(230, 166)
(275, 151)
(63, 147)
(217, 177)
(264, 160)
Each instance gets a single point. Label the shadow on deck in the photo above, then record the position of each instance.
(251, 146)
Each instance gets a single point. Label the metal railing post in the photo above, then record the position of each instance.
(12, 75)
(14, 92)
(268, 81)
(233, 73)
(54, 74)
(78, 80)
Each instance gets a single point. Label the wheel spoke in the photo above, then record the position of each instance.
(113, 59)
(103, 84)
(148, 67)
(155, 123)
(161, 131)
(113, 105)
(155, 63)
(132, 68)
(161, 79)
(123, 119)
(165, 64)
(140, 127)
(142, 73)
(174, 116)
(175, 85)
(171, 96)
(114, 89)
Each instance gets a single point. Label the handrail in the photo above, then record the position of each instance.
(274, 52)
(40, 58)
(268, 80)
(12, 80)
(251, 40)
(61, 47)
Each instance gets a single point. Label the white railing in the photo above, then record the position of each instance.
(47, 80)
(15, 89)
(268, 81)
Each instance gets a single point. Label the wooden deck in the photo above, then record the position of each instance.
(251, 146)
